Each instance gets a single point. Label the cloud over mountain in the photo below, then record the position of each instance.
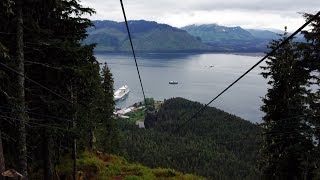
(249, 14)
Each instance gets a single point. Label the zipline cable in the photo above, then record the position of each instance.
(133, 52)
(43, 87)
(255, 65)
(38, 114)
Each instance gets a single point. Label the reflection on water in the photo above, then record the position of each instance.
(201, 77)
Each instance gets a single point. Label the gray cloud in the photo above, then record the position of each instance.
(253, 13)
(255, 5)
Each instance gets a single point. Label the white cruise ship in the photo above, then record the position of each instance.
(121, 92)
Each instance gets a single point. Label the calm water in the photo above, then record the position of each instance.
(197, 81)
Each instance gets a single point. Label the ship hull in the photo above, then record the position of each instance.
(121, 93)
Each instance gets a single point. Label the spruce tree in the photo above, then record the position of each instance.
(287, 139)
(110, 131)
(310, 50)
(54, 57)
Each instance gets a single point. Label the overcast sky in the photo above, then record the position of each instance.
(274, 14)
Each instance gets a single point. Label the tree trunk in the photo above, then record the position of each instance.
(92, 139)
(47, 160)
(74, 156)
(92, 136)
(74, 125)
(2, 163)
(21, 116)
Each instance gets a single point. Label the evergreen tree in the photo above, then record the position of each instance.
(310, 51)
(107, 85)
(3, 97)
(218, 145)
(287, 137)
(109, 131)
(54, 57)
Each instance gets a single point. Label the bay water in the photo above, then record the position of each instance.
(200, 78)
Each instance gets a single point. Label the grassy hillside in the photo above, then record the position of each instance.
(98, 166)
(216, 144)
(147, 36)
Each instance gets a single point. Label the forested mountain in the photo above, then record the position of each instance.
(151, 36)
(147, 36)
(226, 39)
(211, 33)
(216, 144)
(262, 34)
(272, 34)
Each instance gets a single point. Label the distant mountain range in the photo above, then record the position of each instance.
(147, 36)
(231, 39)
(150, 36)
(212, 33)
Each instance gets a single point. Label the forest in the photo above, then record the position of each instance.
(53, 92)
(216, 145)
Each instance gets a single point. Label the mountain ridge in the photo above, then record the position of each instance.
(214, 32)
(150, 36)
(234, 39)
(146, 35)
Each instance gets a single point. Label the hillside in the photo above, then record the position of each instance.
(216, 145)
(211, 33)
(147, 36)
(263, 34)
(230, 39)
(103, 166)
(150, 36)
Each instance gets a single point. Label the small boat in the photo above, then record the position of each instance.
(121, 93)
(173, 82)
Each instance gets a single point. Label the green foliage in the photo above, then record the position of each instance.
(215, 145)
(310, 55)
(150, 104)
(106, 127)
(137, 115)
(102, 166)
(287, 135)
(56, 58)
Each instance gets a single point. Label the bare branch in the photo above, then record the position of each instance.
(42, 64)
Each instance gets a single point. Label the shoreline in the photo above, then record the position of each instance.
(180, 52)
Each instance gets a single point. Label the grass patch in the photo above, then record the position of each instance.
(137, 115)
(102, 166)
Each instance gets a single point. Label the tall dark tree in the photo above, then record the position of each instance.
(55, 30)
(310, 51)
(109, 133)
(107, 85)
(54, 57)
(2, 161)
(6, 8)
(20, 96)
(287, 137)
